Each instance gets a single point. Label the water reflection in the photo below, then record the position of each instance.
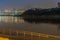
(28, 24)
(11, 19)
(42, 20)
(37, 21)
(58, 27)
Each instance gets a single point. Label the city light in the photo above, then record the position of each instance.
(1, 38)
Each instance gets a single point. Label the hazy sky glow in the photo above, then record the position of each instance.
(27, 3)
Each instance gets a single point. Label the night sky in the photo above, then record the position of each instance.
(28, 3)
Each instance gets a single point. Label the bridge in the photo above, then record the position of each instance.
(14, 34)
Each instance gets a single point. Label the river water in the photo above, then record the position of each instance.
(18, 23)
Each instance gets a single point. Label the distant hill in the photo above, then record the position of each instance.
(38, 12)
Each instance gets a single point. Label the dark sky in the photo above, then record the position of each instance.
(27, 3)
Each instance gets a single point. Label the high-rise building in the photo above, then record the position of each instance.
(58, 4)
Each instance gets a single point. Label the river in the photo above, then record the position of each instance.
(18, 23)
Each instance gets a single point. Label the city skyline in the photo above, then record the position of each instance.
(28, 3)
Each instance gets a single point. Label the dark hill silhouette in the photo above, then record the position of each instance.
(44, 15)
(38, 12)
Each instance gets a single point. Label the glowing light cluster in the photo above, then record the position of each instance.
(1, 38)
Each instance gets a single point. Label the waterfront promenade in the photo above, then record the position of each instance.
(13, 34)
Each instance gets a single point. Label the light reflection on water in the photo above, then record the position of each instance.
(20, 24)
(10, 19)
